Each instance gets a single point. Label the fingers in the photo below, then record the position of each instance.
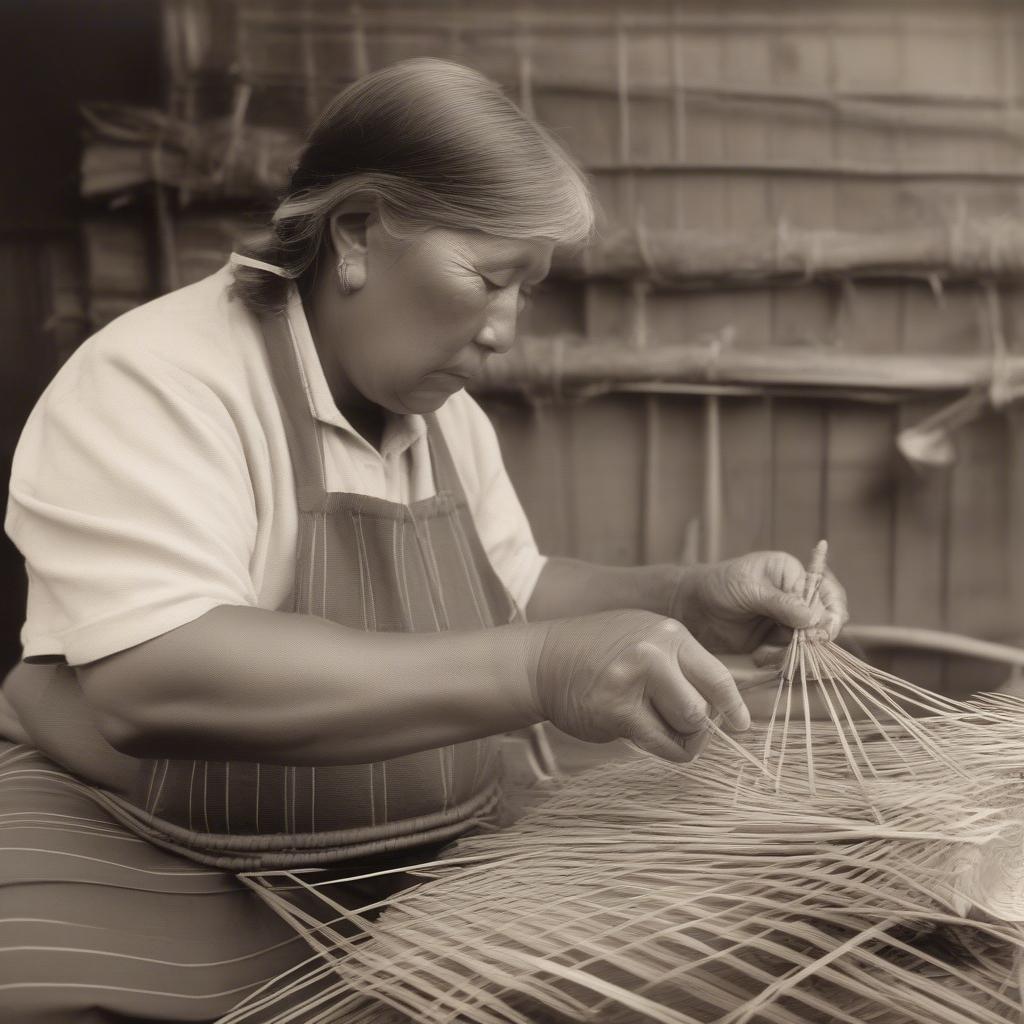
(784, 607)
(777, 636)
(832, 596)
(769, 655)
(780, 597)
(752, 678)
(650, 732)
(682, 680)
(679, 705)
(781, 568)
(703, 672)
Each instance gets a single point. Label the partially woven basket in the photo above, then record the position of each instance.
(863, 866)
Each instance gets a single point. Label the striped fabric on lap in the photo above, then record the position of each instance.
(98, 926)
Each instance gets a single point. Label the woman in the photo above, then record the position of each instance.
(278, 574)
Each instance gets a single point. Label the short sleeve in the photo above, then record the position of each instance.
(131, 503)
(499, 517)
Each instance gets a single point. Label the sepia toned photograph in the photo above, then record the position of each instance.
(514, 512)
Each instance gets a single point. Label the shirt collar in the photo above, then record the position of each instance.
(400, 431)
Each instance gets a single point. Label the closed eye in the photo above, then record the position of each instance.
(492, 285)
(497, 286)
(523, 297)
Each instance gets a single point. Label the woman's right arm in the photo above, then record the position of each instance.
(133, 501)
(248, 684)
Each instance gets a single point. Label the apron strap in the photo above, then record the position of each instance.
(446, 476)
(304, 442)
(447, 480)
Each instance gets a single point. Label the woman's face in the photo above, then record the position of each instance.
(431, 310)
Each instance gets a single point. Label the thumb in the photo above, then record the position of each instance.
(769, 655)
(786, 609)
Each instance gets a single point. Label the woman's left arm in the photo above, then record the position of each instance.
(733, 606)
(568, 586)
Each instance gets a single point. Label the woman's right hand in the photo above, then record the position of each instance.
(633, 675)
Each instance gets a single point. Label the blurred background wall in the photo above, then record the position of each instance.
(811, 241)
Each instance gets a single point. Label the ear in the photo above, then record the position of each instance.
(348, 226)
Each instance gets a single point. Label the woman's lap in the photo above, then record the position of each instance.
(97, 926)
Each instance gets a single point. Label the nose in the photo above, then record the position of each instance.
(499, 332)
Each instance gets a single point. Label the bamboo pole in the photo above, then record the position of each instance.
(793, 168)
(546, 365)
(965, 248)
(713, 498)
(571, 18)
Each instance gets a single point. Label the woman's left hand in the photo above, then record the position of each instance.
(756, 599)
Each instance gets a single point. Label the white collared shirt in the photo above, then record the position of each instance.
(152, 481)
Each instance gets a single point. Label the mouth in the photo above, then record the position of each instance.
(451, 380)
(465, 371)
(460, 372)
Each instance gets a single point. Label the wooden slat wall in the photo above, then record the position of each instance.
(937, 549)
(633, 89)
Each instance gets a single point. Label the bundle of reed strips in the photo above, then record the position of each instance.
(224, 158)
(857, 858)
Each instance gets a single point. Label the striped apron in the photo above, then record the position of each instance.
(120, 892)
